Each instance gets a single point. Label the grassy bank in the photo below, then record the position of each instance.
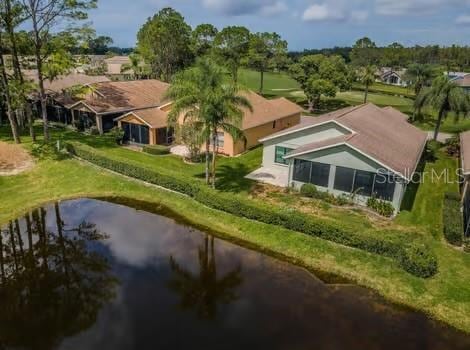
(445, 296)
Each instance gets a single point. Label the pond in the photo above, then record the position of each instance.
(89, 274)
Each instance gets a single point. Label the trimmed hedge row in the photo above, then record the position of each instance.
(423, 264)
(452, 219)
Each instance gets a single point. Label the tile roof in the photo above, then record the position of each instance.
(463, 81)
(381, 133)
(118, 96)
(154, 117)
(465, 151)
(65, 82)
(266, 111)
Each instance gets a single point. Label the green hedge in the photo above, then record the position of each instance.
(156, 150)
(452, 219)
(288, 219)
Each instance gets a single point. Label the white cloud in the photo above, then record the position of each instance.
(246, 7)
(322, 12)
(337, 10)
(463, 19)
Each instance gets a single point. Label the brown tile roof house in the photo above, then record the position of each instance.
(268, 116)
(118, 96)
(64, 82)
(111, 99)
(380, 133)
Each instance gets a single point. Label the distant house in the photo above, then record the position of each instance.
(58, 92)
(116, 68)
(465, 172)
(149, 126)
(390, 76)
(463, 81)
(107, 101)
(365, 150)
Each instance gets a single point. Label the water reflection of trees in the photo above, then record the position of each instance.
(52, 283)
(204, 291)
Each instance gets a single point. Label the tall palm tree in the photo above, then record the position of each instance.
(444, 96)
(367, 77)
(420, 75)
(202, 97)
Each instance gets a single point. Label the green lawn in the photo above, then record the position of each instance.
(445, 296)
(276, 84)
(387, 89)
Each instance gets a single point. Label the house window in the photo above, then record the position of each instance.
(302, 170)
(344, 179)
(320, 174)
(363, 183)
(220, 139)
(384, 187)
(280, 152)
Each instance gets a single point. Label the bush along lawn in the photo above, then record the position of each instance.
(414, 257)
(452, 219)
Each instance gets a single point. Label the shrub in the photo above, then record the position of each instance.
(405, 253)
(156, 150)
(383, 208)
(94, 131)
(452, 219)
(466, 245)
(309, 190)
(418, 261)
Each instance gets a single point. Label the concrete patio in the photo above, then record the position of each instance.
(277, 176)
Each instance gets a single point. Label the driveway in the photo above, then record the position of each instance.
(277, 176)
(442, 137)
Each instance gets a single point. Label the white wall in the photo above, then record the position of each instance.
(300, 138)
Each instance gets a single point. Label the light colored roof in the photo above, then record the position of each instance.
(382, 134)
(465, 152)
(120, 96)
(153, 117)
(114, 65)
(463, 81)
(65, 82)
(266, 111)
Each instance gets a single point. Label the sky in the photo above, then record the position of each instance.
(303, 23)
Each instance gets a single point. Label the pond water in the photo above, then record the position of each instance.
(88, 274)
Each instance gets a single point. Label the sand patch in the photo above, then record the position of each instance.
(14, 159)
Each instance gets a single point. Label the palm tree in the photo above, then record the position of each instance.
(204, 291)
(420, 75)
(445, 96)
(367, 77)
(202, 98)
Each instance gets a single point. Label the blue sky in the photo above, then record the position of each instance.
(303, 23)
